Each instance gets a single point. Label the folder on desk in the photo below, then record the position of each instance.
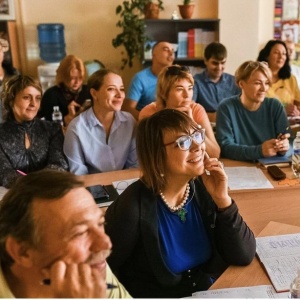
(279, 161)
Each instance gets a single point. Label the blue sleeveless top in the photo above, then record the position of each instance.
(185, 245)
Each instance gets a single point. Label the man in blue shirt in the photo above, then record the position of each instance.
(142, 89)
(213, 85)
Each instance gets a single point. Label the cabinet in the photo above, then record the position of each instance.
(8, 31)
(167, 30)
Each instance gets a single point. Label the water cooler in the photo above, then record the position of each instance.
(52, 51)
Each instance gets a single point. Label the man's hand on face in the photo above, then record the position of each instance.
(75, 281)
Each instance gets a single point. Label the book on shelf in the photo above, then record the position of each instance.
(198, 43)
(191, 43)
(182, 44)
(279, 161)
(148, 49)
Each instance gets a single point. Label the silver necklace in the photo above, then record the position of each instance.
(179, 209)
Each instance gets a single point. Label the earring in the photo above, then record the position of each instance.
(162, 175)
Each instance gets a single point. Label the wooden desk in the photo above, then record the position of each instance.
(108, 177)
(258, 207)
(253, 274)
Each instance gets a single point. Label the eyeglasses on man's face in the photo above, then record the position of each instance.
(176, 70)
(185, 141)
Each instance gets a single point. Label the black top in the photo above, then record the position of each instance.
(45, 151)
(58, 96)
(137, 260)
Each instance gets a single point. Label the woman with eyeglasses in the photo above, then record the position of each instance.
(175, 90)
(27, 144)
(176, 229)
(284, 83)
(251, 126)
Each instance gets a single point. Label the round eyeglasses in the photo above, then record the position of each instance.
(185, 142)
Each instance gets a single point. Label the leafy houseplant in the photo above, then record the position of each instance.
(132, 37)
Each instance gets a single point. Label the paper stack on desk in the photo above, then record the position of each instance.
(280, 255)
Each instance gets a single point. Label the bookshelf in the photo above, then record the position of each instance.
(8, 31)
(167, 30)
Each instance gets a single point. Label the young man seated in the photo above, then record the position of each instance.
(213, 84)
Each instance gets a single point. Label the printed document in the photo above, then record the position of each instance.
(251, 292)
(243, 178)
(280, 256)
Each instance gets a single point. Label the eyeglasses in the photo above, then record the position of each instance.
(176, 70)
(256, 64)
(185, 142)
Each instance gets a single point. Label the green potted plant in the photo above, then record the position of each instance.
(132, 37)
(186, 9)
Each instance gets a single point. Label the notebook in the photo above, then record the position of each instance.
(279, 161)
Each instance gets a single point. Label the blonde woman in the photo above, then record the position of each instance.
(250, 125)
(175, 90)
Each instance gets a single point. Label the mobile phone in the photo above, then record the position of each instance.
(104, 195)
(99, 192)
(276, 172)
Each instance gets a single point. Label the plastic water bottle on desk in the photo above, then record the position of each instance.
(295, 286)
(296, 155)
(57, 115)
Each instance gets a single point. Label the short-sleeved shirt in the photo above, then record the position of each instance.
(142, 88)
(209, 94)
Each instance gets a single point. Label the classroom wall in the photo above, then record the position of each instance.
(245, 29)
(245, 26)
(89, 28)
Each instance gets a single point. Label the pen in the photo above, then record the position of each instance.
(22, 173)
(109, 286)
(207, 156)
(281, 134)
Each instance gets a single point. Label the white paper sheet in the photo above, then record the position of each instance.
(243, 178)
(261, 291)
(121, 185)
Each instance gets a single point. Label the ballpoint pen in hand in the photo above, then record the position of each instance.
(207, 156)
(281, 134)
(21, 172)
(109, 286)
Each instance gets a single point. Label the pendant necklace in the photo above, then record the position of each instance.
(179, 209)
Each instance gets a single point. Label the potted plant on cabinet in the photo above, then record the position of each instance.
(132, 37)
(186, 9)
